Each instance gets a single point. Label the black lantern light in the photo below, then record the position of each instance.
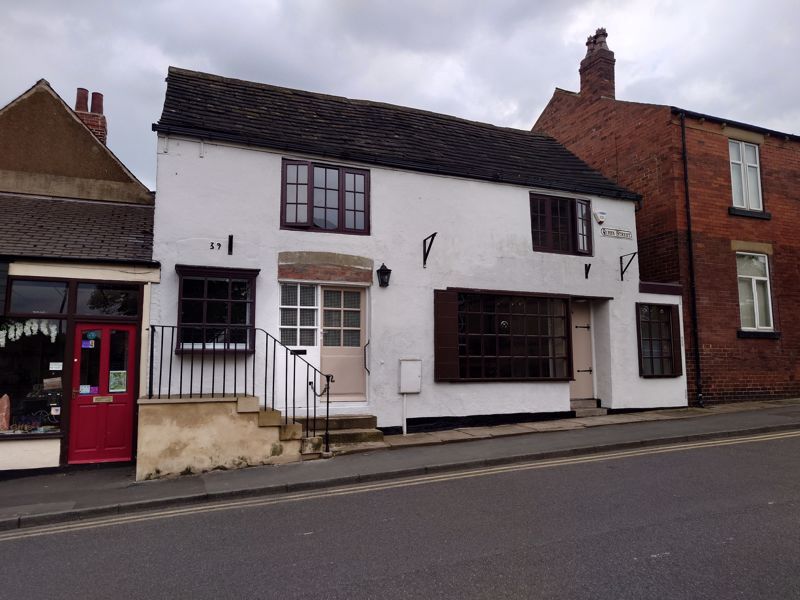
(383, 275)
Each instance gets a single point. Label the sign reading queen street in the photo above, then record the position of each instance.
(616, 233)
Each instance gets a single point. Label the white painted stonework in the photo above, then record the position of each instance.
(483, 242)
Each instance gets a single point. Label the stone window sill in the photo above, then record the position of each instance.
(753, 214)
(758, 335)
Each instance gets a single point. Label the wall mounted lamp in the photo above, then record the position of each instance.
(383, 275)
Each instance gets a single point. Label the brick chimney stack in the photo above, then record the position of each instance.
(597, 67)
(94, 119)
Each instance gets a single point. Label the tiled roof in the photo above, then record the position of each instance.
(38, 227)
(283, 119)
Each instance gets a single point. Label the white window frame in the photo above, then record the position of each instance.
(297, 307)
(749, 197)
(753, 279)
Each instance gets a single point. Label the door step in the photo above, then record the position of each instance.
(587, 407)
(590, 412)
(339, 422)
(354, 436)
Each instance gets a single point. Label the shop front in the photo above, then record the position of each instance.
(69, 369)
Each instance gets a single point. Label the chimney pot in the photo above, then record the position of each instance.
(597, 67)
(97, 103)
(82, 100)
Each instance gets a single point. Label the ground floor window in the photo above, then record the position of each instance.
(216, 307)
(31, 369)
(492, 336)
(755, 303)
(659, 340)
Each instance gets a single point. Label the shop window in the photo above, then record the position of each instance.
(484, 336)
(658, 328)
(38, 297)
(298, 314)
(216, 308)
(112, 300)
(31, 370)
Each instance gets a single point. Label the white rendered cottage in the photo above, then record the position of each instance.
(277, 207)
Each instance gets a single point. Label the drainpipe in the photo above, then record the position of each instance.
(698, 378)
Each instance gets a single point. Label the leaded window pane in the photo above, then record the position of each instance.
(308, 295)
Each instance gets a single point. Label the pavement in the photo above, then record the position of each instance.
(70, 494)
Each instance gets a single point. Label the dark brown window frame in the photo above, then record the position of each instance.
(206, 272)
(549, 232)
(308, 225)
(447, 351)
(675, 341)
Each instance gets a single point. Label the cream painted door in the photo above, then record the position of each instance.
(343, 341)
(582, 363)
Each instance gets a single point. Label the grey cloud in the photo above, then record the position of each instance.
(491, 61)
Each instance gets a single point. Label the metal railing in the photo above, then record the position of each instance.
(191, 361)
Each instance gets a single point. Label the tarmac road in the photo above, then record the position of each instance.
(715, 519)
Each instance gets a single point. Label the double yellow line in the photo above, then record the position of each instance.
(379, 486)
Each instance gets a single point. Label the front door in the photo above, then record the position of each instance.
(343, 340)
(103, 377)
(582, 364)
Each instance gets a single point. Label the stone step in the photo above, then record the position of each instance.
(354, 436)
(341, 422)
(583, 403)
(590, 412)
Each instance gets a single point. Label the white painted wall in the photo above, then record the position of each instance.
(483, 241)
(29, 454)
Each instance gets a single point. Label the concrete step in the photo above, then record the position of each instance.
(353, 448)
(342, 422)
(583, 403)
(590, 412)
(354, 436)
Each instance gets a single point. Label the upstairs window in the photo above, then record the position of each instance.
(755, 303)
(561, 225)
(317, 197)
(745, 176)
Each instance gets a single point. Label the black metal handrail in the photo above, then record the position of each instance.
(227, 360)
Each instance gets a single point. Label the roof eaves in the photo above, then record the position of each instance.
(619, 193)
(747, 126)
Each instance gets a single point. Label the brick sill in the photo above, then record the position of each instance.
(758, 335)
(753, 214)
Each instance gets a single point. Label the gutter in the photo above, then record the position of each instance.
(78, 259)
(698, 376)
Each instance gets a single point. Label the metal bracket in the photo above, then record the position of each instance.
(584, 371)
(583, 326)
(427, 244)
(622, 268)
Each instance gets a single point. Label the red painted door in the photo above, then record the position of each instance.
(103, 378)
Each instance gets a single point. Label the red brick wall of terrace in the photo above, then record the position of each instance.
(639, 146)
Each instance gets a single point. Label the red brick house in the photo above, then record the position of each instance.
(718, 217)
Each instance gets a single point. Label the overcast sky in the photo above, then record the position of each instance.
(495, 61)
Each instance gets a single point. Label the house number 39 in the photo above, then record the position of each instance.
(215, 246)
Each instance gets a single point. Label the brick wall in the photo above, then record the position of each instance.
(639, 146)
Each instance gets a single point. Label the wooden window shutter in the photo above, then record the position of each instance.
(445, 335)
(677, 351)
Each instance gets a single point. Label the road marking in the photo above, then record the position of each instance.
(379, 486)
